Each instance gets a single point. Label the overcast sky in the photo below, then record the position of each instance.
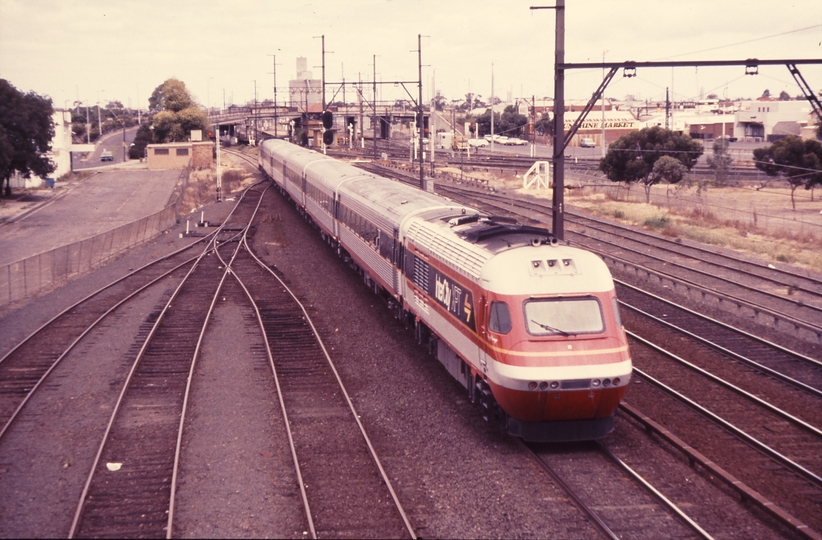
(116, 49)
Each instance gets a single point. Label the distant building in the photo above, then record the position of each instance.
(304, 92)
(771, 120)
(197, 155)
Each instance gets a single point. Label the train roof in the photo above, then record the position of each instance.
(394, 200)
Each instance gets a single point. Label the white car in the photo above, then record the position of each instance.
(585, 142)
(516, 142)
(477, 143)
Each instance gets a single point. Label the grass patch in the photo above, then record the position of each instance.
(657, 222)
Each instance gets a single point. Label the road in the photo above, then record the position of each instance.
(111, 141)
(94, 205)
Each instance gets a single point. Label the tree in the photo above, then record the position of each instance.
(784, 96)
(26, 132)
(766, 93)
(797, 160)
(172, 95)
(176, 114)
(632, 157)
(142, 139)
(510, 122)
(721, 160)
(544, 126)
(669, 170)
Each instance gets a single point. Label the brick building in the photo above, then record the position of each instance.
(197, 155)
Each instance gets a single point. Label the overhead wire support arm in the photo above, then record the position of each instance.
(806, 89)
(590, 105)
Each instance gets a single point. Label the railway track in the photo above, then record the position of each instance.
(771, 398)
(130, 486)
(25, 368)
(593, 477)
(345, 490)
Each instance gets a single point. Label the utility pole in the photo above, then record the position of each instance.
(558, 205)
(559, 129)
(255, 112)
(376, 118)
(323, 68)
(422, 117)
(602, 101)
(276, 118)
(492, 108)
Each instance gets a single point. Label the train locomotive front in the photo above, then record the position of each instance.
(536, 321)
(529, 327)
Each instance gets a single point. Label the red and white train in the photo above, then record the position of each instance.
(528, 326)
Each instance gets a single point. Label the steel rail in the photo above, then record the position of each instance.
(730, 386)
(86, 487)
(98, 291)
(763, 341)
(579, 503)
(658, 494)
(78, 513)
(759, 445)
(179, 443)
(695, 457)
(344, 393)
(701, 249)
(736, 356)
(709, 274)
(80, 337)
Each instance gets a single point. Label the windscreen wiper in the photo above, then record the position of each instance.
(550, 328)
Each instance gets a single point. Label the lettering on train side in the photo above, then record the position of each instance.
(448, 293)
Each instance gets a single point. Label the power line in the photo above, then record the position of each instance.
(744, 42)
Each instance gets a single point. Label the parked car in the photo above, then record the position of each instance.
(106, 156)
(585, 142)
(499, 139)
(478, 143)
(516, 142)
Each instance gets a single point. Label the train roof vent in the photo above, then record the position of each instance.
(454, 254)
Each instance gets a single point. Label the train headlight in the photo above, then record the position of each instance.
(554, 385)
(532, 385)
(595, 383)
(543, 385)
(606, 382)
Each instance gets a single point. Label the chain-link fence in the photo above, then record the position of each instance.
(26, 277)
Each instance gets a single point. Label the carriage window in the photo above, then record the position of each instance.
(563, 316)
(499, 318)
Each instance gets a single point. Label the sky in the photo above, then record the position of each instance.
(98, 51)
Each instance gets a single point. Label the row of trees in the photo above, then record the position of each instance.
(85, 121)
(27, 127)
(655, 155)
